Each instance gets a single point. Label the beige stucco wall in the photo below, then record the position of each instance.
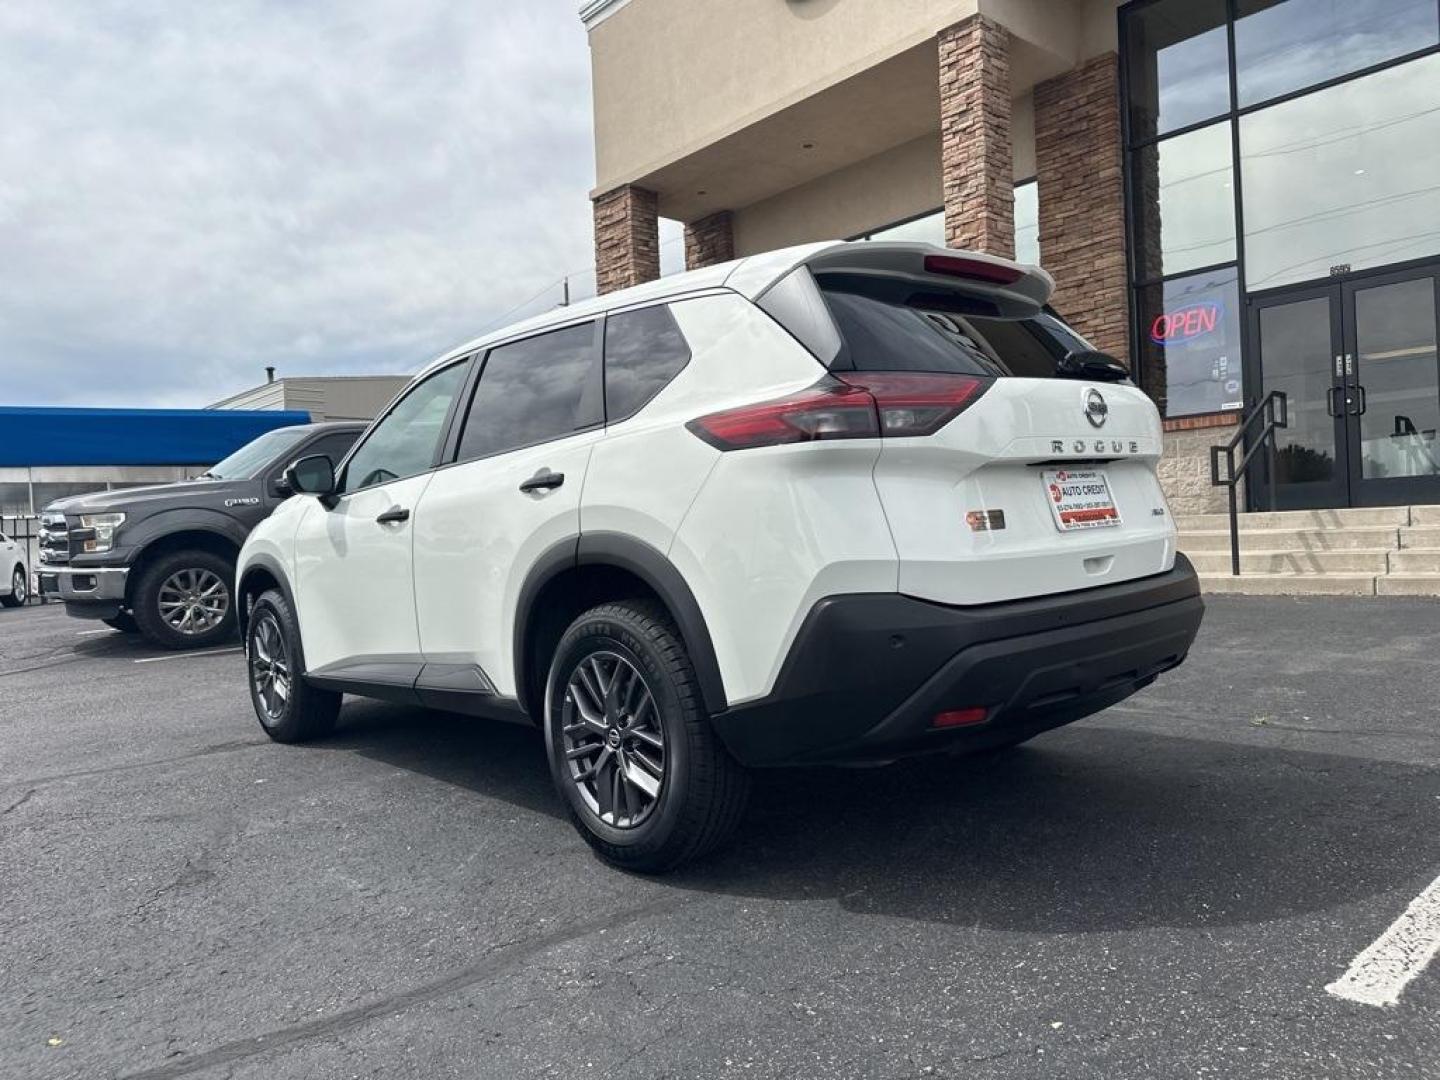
(673, 76)
(888, 187)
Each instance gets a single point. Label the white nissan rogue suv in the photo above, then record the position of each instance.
(840, 503)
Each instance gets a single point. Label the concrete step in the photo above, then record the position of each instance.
(1408, 585)
(1290, 584)
(1420, 536)
(1414, 561)
(1303, 519)
(1425, 515)
(1336, 539)
(1292, 562)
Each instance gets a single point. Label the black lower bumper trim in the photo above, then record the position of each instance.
(868, 673)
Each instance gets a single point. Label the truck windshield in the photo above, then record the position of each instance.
(247, 462)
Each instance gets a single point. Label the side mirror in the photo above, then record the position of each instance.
(313, 475)
(1092, 364)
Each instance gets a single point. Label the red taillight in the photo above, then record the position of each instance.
(855, 405)
(960, 718)
(913, 403)
(974, 269)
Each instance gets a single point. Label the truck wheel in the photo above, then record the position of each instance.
(185, 600)
(19, 588)
(644, 776)
(288, 708)
(124, 622)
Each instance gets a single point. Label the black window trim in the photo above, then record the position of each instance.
(342, 470)
(455, 424)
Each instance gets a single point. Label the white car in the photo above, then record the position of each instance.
(844, 502)
(14, 573)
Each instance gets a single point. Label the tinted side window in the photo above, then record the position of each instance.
(644, 350)
(333, 446)
(532, 391)
(405, 442)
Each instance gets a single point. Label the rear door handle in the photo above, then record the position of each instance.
(393, 515)
(544, 480)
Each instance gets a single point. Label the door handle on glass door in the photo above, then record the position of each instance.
(394, 515)
(1360, 408)
(1332, 405)
(544, 480)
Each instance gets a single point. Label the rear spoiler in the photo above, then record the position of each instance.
(1017, 291)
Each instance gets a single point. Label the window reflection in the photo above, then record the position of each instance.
(1395, 333)
(1185, 202)
(1179, 67)
(1344, 176)
(1291, 44)
(929, 229)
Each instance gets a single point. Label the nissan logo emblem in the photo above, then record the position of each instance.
(1096, 411)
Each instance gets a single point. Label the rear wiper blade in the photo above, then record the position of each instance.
(1093, 365)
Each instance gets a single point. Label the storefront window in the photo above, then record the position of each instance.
(1027, 223)
(1190, 343)
(1179, 65)
(1289, 45)
(1343, 177)
(1184, 202)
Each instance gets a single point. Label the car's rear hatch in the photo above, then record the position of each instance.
(1043, 480)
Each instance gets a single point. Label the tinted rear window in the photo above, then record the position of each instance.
(890, 328)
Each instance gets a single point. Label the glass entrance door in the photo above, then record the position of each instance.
(1359, 364)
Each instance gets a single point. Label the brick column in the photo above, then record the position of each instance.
(627, 238)
(1078, 162)
(976, 157)
(710, 240)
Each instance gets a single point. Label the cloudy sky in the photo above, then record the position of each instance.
(189, 192)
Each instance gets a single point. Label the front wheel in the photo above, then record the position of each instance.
(644, 776)
(19, 588)
(288, 708)
(185, 600)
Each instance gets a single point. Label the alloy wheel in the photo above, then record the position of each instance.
(19, 587)
(193, 601)
(269, 666)
(613, 740)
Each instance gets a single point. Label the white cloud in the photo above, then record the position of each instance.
(189, 192)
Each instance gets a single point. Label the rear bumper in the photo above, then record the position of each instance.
(868, 673)
(89, 592)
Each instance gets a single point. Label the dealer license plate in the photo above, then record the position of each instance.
(1080, 499)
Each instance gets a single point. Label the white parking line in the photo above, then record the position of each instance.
(186, 655)
(1379, 974)
(87, 633)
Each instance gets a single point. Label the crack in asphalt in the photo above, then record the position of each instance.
(18, 802)
(206, 751)
(496, 962)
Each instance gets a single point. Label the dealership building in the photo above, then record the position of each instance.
(1234, 196)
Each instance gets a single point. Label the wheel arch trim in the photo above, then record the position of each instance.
(648, 564)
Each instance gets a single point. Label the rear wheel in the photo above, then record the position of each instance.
(288, 708)
(646, 780)
(19, 588)
(184, 600)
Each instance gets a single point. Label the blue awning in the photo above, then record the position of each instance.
(49, 436)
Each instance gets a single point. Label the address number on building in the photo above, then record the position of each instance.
(1080, 499)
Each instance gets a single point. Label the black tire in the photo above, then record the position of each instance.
(171, 573)
(124, 622)
(19, 588)
(272, 647)
(701, 790)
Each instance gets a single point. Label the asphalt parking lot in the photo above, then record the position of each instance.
(1164, 890)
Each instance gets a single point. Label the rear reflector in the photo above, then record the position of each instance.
(853, 405)
(960, 718)
(974, 269)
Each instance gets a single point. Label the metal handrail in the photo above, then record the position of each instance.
(1275, 408)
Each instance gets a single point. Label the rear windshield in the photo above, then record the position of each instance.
(886, 325)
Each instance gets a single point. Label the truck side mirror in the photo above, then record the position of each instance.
(281, 488)
(313, 475)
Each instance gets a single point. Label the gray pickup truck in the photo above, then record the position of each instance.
(160, 561)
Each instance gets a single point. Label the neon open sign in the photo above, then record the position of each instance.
(1187, 323)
